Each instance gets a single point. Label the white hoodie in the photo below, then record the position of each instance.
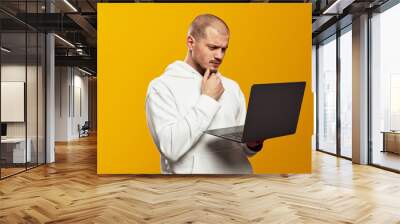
(177, 115)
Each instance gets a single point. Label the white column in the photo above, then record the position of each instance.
(50, 99)
(50, 92)
(360, 90)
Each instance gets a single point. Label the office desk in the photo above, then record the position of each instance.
(13, 150)
(391, 141)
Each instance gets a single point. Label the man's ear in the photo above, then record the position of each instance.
(190, 42)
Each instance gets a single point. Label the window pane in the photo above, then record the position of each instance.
(314, 79)
(386, 88)
(327, 96)
(346, 93)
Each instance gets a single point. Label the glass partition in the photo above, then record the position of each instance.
(22, 77)
(14, 145)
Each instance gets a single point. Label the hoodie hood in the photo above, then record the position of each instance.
(182, 70)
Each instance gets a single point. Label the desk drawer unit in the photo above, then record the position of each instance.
(13, 151)
(391, 142)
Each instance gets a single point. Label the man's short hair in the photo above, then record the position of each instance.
(201, 22)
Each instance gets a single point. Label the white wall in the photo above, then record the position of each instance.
(16, 73)
(80, 84)
(62, 78)
(71, 93)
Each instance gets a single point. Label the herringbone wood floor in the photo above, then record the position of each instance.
(69, 191)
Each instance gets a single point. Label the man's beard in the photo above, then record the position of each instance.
(203, 69)
(213, 71)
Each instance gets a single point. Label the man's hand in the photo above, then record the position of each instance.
(255, 146)
(212, 85)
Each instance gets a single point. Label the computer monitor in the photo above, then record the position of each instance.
(3, 129)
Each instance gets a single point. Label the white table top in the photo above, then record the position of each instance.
(13, 140)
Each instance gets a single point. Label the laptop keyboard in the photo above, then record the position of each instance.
(236, 136)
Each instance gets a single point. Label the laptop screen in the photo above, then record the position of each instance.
(273, 110)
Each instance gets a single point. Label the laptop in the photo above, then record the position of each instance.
(3, 131)
(273, 111)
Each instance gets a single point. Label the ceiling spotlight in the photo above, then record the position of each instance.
(5, 50)
(84, 71)
(70, 5)
(337, 7)
(64, 40)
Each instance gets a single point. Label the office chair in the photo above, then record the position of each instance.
(84, 130)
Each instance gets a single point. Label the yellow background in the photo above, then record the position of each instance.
(268, 43)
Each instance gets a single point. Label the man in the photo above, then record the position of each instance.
(192, 97)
